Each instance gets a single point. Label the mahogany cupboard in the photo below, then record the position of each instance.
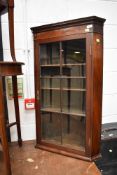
(68, 61)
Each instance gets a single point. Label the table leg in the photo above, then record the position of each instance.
(17, 114)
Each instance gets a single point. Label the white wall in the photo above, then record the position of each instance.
(30, 13)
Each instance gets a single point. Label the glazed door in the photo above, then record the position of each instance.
(63, 93)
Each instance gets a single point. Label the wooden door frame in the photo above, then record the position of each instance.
(41, 144)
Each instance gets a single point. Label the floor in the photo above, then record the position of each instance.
(30, 161)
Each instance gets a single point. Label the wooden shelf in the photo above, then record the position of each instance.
(65, 111)
(50, 65)
(51, 109)
(74, 77)
(76, 64)
(72, 89)
(64, 89)
(10, 68)
(65, 65)
(74, 112)
(63, 77)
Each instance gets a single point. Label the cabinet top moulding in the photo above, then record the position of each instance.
(91, 20)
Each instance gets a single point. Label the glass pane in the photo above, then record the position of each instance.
(74, 83)
(51, 127)
(74, 51)
(76, 70)
(49, 53)
(47, 83)
(50, 72)
(73, 132)
(50, 100)
(73, 102)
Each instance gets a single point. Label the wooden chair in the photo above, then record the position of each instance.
(3, 136)
(12, 69)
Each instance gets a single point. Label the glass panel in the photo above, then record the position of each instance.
(77, 70)
(74, 83)
(74, 51)
(73, 102)
(73, 132)
(63, 93)
(50, 72)
(50, 76)
(74, 93)
(50, 100)
(51, 127)
(49, 54)
(47, 83)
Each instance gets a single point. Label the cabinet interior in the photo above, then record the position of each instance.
(63, 92)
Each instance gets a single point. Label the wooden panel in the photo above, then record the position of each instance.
(61, 38)
(10, 68)
(3, 132)
(89, 95)
(61, 32)
(65, 32)
(97, 65)
(62, 150)
(37, 95)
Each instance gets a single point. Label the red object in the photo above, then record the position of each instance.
(29, 103)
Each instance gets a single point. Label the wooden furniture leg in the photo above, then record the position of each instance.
(16, 104)
(3, 132)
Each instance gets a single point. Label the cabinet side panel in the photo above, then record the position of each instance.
(37, 102)
(97, 65)
(89, 95)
